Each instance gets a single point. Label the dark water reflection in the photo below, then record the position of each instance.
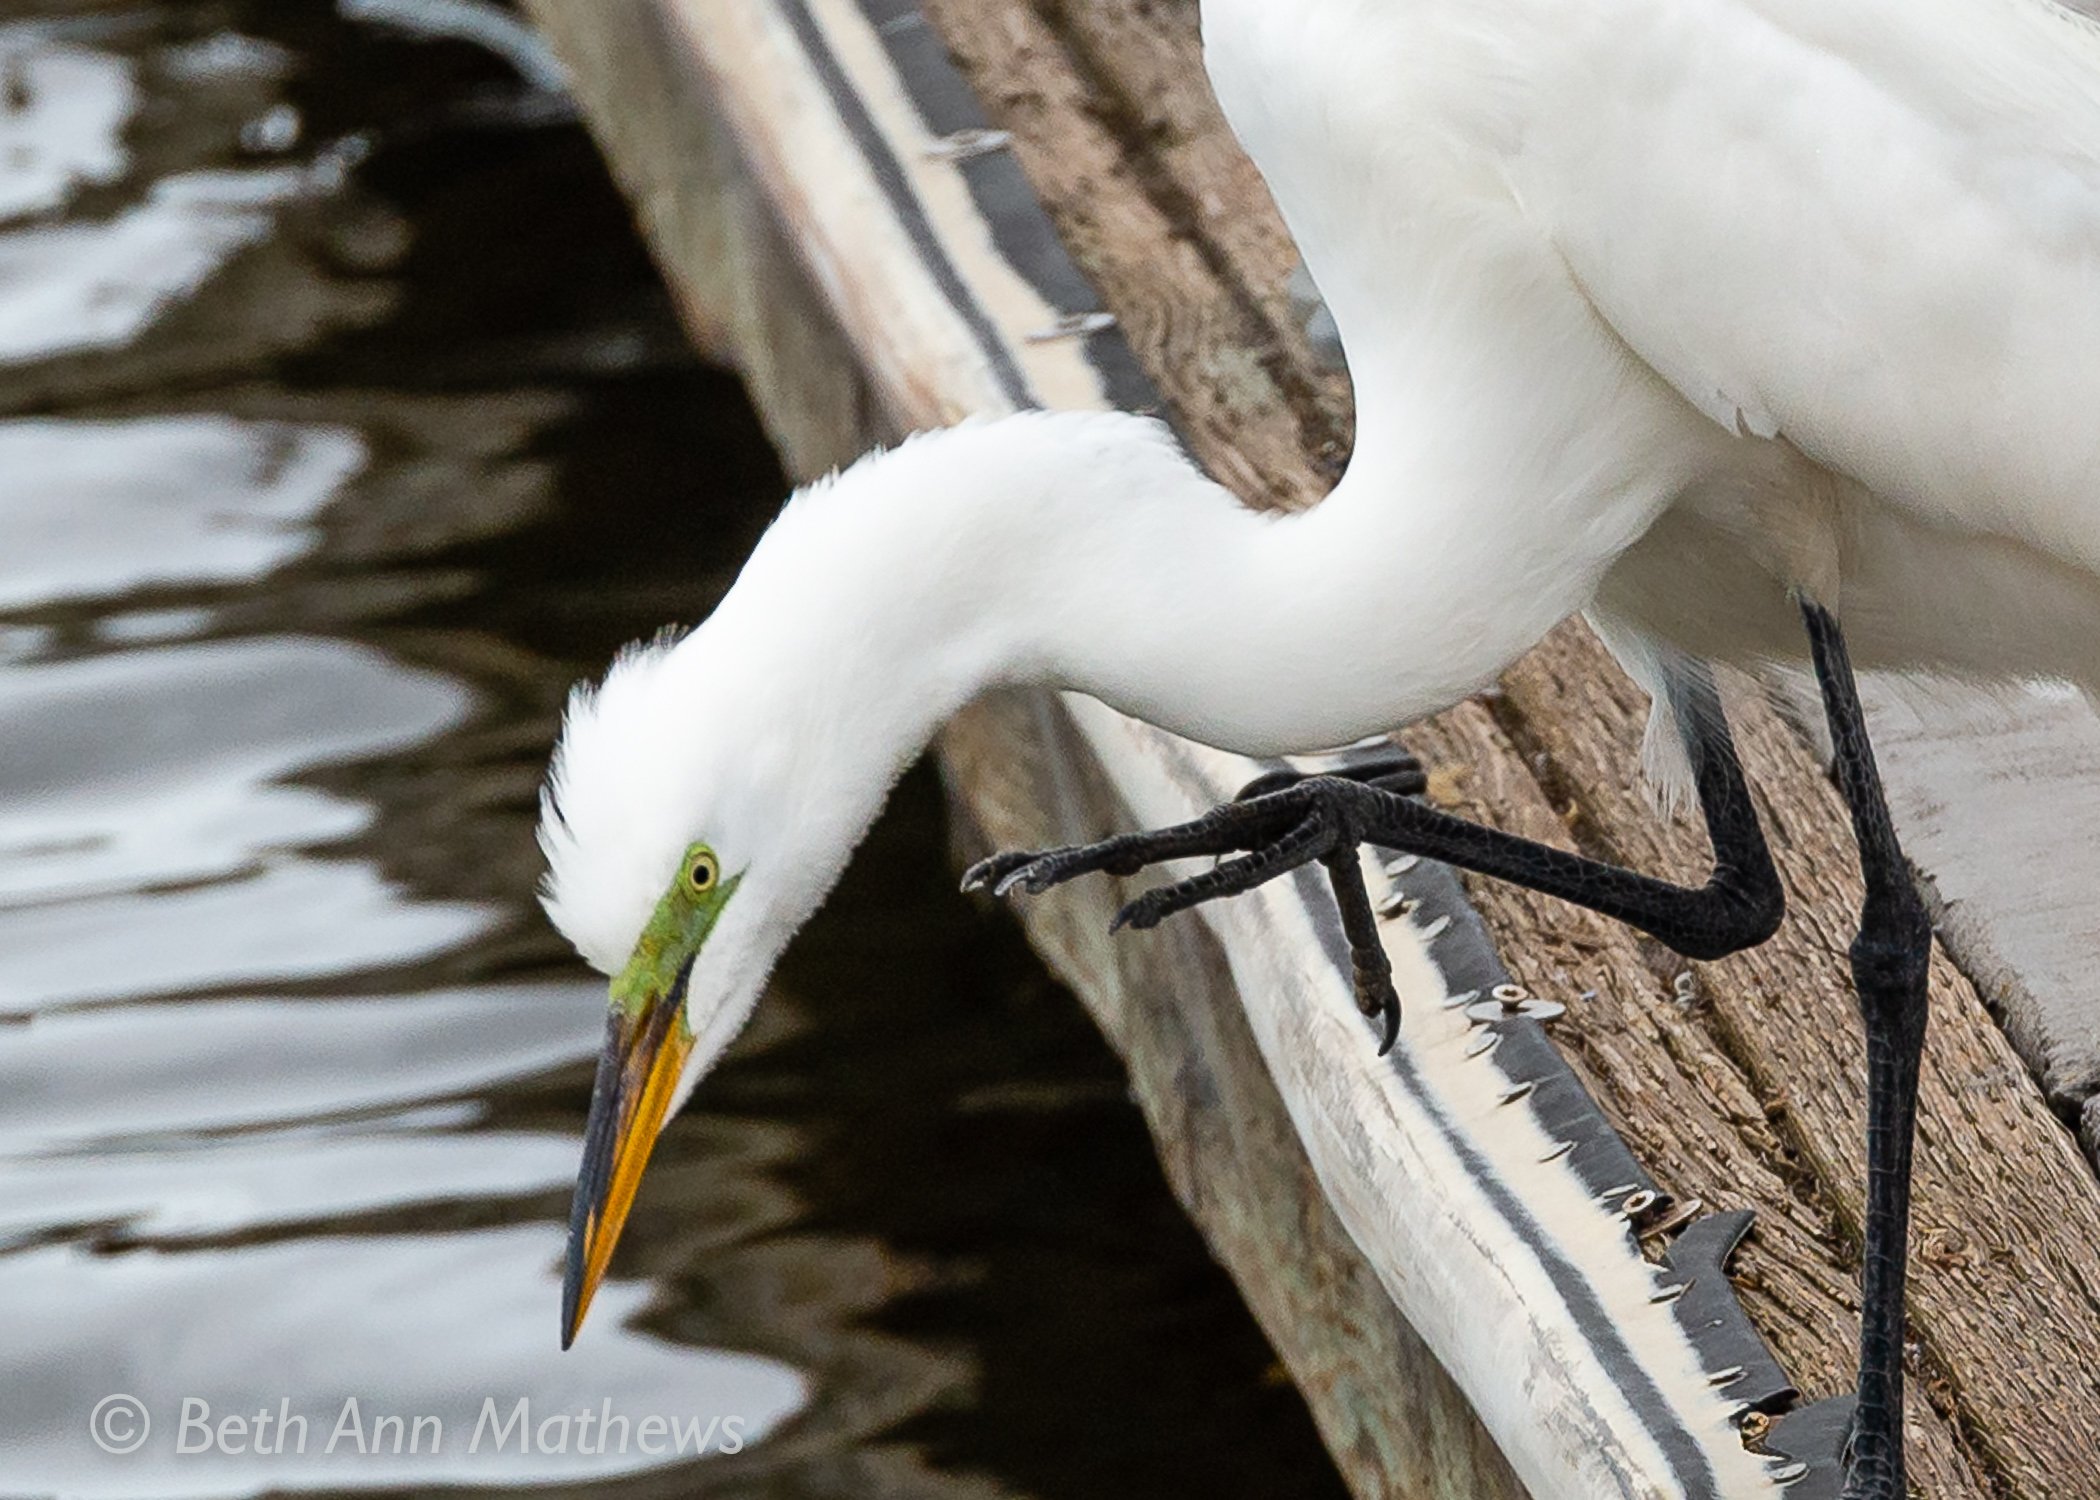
(342, 424)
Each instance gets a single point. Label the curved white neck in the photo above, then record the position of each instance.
(1083, 551)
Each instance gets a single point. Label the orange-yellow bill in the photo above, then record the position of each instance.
(638, 1072)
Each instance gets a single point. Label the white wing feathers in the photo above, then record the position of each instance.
(1871, 226)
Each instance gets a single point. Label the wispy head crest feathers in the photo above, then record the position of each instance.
(603, 796)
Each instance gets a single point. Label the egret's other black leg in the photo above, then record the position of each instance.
(1890, 960)
(1327, 817)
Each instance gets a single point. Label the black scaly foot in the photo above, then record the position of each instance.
(1890, 965)
(1286, 830)
(1283, 831)
(1282, 823)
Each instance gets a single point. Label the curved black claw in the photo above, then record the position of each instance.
(994, 870)
(1370, 969)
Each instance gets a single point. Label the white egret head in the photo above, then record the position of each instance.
(683, 852)
(706, 797)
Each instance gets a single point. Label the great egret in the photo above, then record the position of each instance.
(1710, 318)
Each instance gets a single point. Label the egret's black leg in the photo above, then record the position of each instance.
(1739, 905)
(1890, 961)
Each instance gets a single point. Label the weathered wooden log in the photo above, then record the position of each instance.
(843, 224)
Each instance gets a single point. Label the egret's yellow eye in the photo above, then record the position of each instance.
(701, 872)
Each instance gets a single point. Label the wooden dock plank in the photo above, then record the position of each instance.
(1995, 800)
(1389, 1413)
(2006, 1232)
(1180, 317)
(1137, 53)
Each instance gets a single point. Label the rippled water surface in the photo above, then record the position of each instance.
(342, 425)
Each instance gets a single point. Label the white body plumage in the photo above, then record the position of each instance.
(1819, 282)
